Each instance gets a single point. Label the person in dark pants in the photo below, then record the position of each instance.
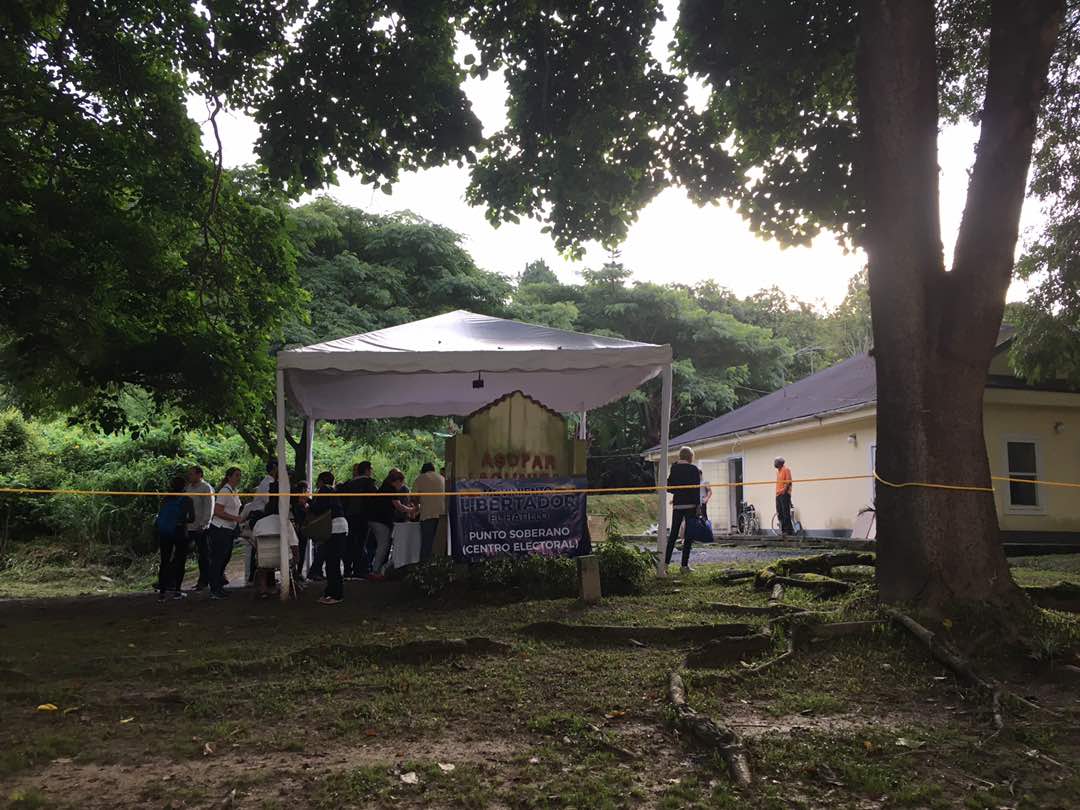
(333, 549)
(172, 521)
(432, 506)
(299, 504)
(686, 500)
(783, 496)
(356, 512)
(223, 530)
(202, 500)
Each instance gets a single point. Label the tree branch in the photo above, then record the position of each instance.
(1022, 40)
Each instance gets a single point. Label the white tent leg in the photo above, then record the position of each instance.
(283, 487)
(309, 435)
(662, 472)
(583, 430)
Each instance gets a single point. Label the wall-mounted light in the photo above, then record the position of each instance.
(1059, 427)
(853, 439)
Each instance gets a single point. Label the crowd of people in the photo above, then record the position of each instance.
(340, 531)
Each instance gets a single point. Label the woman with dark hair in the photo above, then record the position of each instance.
(386, 511)
(299, 504)
(224, 526)
(325, 502)
(176, 512)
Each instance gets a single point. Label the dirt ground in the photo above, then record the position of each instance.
(258, 704)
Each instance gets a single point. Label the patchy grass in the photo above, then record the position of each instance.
(634, 514)
(48, 570)
(190, 703)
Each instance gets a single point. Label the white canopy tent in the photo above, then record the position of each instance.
(455, 363)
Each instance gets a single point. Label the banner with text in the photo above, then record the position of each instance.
(545, 521)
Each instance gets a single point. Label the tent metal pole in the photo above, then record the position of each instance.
(309, 436)
(582, 430)
(662, 472)
(283, 488)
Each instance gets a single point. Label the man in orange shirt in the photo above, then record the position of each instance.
(783, 496)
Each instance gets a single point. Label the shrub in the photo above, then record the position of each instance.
(549, 576)
(624, 568)
(432, 577)
(496, 574)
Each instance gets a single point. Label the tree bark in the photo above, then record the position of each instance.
(935, 331)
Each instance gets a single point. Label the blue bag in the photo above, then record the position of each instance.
(699, 530)
(171, 516)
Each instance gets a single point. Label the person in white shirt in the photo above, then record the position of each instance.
(223, 529)
(203, 501)
(259, 504)
(432, 506)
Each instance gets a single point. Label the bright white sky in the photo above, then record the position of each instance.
(673, 240)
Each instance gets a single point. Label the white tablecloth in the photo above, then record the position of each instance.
(406, 549)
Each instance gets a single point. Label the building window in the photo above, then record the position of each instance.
(1023, 459)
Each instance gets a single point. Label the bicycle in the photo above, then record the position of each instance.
(748, 522)
(795, 524)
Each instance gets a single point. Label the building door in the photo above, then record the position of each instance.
(735, 493)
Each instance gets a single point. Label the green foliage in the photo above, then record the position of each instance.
(56, 454)
(365, 271)
(624, 569)
(127, 259)
(432, 577)
(549, 577)
(729, 350)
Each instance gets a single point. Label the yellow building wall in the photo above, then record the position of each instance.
(823, 448)
(820, 449)
(1032, 416)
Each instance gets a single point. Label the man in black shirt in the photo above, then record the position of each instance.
(687, 501)
(358, 512)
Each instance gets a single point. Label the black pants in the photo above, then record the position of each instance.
(355, 548)
(201, 540)
(332, 550)
(677, 518)
(318, 561)
(428, 528)
(783, 509)
(221, 549)
(301, 555)
(174, 549)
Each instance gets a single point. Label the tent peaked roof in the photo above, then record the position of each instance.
(481, 343)
(430, 368)
(461, 330)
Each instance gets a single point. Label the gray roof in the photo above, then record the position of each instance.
(845, 385)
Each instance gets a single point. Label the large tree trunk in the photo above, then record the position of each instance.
(935, 332)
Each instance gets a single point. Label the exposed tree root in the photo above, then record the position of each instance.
(755, 610)
(820, 632)
(945, 654)
(823, 586)
(819, 564)
(723, 652)
(1059, 596)
(709, 733)
(618, 750)
(607, 634)
(329, 654)
(793, 641)
(733, 576)
(413, 651)
(777, 595)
